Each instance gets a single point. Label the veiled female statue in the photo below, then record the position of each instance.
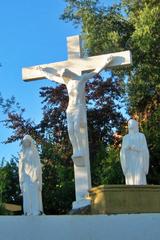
(134, 155)
(30, 177)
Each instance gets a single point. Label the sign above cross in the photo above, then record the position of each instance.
(84, 63)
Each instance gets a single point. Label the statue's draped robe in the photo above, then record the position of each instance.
(30, 177)
(134, 157)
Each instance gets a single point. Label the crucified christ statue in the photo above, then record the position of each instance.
(76, 109)
(71, 73)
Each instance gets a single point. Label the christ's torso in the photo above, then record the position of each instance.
(76, 92)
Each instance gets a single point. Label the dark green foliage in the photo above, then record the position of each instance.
(143, 88)
(144, 82)
(105, 30)
(58, 180)
(75, 9)
(152, 131)
(107, 169)
(9, 182)
(2, 210)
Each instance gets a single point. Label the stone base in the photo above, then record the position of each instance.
(81, 204)
(115, 199)
(12, 207)
(81, 211)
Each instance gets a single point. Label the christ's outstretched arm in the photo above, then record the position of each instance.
(51, 74)
(66, 73)
(87, 76)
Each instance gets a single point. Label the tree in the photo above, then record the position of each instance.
(9, 182)
(130, 25)
(144, 82)
(2, 182)
(58, 180)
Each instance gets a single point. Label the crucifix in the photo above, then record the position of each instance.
(74, 73)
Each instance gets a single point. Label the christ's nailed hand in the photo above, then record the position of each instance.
(109, 59)
(46, 70)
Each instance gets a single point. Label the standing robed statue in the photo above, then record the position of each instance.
(134, 155)
(30, 178)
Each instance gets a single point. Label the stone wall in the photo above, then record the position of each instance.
(95, 227)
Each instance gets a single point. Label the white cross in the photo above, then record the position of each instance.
(79, 64)
(75, 59)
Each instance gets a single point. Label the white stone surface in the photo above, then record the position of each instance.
(100, 227)
(72, 74)
(76, 110)
(77, 122)
(123, 58)
(30, 178)
(134, 155)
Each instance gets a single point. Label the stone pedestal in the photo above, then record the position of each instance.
(118, 199)
(13, 208)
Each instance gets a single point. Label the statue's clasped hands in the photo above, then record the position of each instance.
(133, 148)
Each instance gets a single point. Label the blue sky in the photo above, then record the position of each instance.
(31, 34)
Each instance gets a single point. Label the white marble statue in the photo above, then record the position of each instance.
(76, 110)
(71, 73)
(30, 178)
(134, 155)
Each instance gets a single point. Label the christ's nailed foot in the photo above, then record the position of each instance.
(78, 154)
(109, 59)
(79, 160)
